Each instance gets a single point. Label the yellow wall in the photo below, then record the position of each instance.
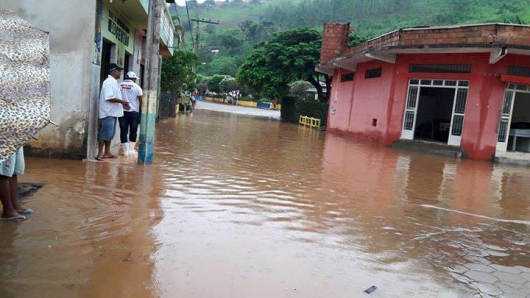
(242, 103)
(251, 104)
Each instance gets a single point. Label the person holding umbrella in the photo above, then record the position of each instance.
(25, 102)
(111, 107)
(9, 170)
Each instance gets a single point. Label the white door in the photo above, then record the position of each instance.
(505, 118)
(457, 119)
(409, 121)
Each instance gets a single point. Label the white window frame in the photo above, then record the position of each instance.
(510, 93)
(454, 140)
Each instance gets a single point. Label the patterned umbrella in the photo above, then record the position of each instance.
(25, 95)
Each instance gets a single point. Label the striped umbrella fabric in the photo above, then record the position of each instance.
(25, 88)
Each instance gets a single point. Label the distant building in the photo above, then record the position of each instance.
(466, 87)
(85, 37)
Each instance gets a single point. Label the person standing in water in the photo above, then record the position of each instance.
(132, 93)
(9, 171)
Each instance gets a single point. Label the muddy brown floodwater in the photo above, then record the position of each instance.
(237, 206)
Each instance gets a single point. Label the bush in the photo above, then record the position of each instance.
(312, 108)
(292, 108)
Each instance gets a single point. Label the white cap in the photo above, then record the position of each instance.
(131, 75)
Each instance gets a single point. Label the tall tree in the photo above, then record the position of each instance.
(289, 56)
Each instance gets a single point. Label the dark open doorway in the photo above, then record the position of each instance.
(519, 133)
(106, 55)
(127, 63)
(435, 108)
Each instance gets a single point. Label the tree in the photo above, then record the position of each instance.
(228, 85)
(255, 32)
(298, 89)
(289, 56)
(177, 72)
(202, 88)
(231, 40)
(214, 83)
(210, 3)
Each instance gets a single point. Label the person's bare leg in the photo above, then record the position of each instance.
(13, 189)
(101, 144)
(5, 197)
(107, 150)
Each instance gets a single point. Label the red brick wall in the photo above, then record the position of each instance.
(334, 40)
(467, 35)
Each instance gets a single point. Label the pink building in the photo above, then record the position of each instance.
(463, 87)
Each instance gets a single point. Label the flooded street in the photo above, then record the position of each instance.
(239, 206)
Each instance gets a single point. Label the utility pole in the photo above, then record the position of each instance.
(197, 32)
(152, 65)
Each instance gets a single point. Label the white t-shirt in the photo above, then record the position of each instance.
(130, 91)
(110, 90)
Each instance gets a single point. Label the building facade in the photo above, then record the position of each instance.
(85, 37)
(459, 86)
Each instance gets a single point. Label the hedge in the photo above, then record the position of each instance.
(292, 108)
(313, 108)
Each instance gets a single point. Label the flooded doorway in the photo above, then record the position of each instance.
(433, 121)
(514, 122)
(435, 111)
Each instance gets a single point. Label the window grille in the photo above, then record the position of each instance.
(347, 77)
(409, 120)
(461, 98)
(503, 131)
(373, 73)
(519, 71)
(458, 124)
(440, 68)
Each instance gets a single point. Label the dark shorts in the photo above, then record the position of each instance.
(107, 128)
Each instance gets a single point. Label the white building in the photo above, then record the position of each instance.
(85, 37)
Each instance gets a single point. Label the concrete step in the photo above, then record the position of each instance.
(429, 147)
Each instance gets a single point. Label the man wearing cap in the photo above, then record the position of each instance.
(111, 107)
(132, 93)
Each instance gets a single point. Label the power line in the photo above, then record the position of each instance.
(189, 21)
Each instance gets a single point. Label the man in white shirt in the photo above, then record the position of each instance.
(132, 93)
(111, 107)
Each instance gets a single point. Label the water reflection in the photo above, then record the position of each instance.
(237, 206)
(89, 235)
(279, 207)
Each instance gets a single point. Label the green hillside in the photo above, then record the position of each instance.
(234, 37)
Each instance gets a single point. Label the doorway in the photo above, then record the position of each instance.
(127, 63)
(106, 58)
(514, 122)
(435, 106)
(434, 111)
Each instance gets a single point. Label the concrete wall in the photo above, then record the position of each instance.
(340, 102)
(71, 27)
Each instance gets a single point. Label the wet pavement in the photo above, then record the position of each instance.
(240, 206)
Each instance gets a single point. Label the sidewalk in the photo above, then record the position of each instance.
(204, 105)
